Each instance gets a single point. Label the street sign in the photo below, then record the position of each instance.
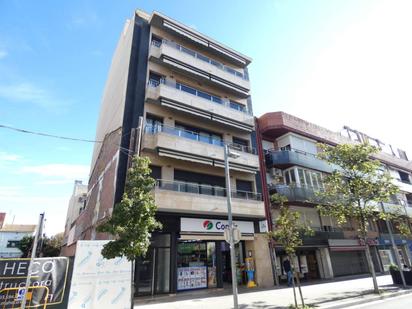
(236, 235)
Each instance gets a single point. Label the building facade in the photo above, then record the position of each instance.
(177, 96)
(289, 148)
(10, 236)
(77, 204)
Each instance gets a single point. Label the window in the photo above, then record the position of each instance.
(204, 95)
(237, 106)
(156, 172)
(404, 177)
(285, 148)
(153, 124)
(155, 79)
(290, 176)
(203, 58)
(186, 89)
(13, 243)
(199, 134)
(156, 41)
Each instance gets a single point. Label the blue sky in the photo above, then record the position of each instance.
(330, 62)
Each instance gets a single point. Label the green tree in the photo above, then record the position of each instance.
(47, 247)
(133, 219)
(288, 232)
(25, 245)
(356, 190)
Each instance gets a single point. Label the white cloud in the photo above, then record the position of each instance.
(29, 93)
(4, 156)
(57, 173)
(3, 53)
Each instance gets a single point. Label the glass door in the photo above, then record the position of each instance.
(145, 274)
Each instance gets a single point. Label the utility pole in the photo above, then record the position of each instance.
(230, 221)
(39, 231)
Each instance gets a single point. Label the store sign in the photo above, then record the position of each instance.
(369, 241)
(213, 226)
(47, 282)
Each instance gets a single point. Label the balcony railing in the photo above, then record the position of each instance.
(194, 54)
(296, 193)
(200, 95)
(188, 187)
(157, 128)
(297, 157)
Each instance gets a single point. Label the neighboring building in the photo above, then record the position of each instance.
(10, 236)
(2, 218)
(189, 94)
(77, 204)
(289, 146)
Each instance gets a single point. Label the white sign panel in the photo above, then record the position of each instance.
(98, 283)
(213, 226)
(263, 226)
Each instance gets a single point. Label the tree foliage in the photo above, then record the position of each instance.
(25, 245)
(357, 188)
(47, 246)
(133, 218)
(288, 230)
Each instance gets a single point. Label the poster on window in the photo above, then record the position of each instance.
(189, 278)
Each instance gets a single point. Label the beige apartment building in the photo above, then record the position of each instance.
(177, 97)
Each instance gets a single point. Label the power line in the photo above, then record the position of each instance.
(124, 150)
(48, 135)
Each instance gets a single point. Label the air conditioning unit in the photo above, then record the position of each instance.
(275, 172)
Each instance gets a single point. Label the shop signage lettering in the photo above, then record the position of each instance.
(213, 226)
(47, 281)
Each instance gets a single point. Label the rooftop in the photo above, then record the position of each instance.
(29, 228)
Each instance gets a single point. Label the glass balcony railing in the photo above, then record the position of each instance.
(295, 193)
(203, 189)
(297, 157)
(194, 54)
(196, 136)
(200, 95)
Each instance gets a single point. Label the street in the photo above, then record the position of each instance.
(400, 302)
(318, 295)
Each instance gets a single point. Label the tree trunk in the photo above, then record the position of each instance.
(300, 290)
(371, 268)
(293, 282)
(132, 286)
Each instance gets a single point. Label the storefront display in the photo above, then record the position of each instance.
(191, 278)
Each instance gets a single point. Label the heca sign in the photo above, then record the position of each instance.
(213, 225)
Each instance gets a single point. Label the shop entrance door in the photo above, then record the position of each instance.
(312, 266)
(152, 274)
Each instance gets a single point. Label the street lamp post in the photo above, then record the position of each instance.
(394, 248)
(230, 221)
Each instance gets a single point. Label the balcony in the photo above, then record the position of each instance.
(295, 193)
(191, 146)
(321, 237)
(287, 158)
(200, 104)
(193, 63)
(403, 185)
(184, 197)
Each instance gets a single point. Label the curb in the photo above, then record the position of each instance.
(363, 300)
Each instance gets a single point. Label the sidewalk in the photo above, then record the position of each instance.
(320, 295)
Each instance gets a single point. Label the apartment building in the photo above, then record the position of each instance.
(289, 147)
(77, 204)
(177, 97)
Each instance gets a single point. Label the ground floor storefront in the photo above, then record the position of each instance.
(337, 258)
(191, 253)
(387, 253)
